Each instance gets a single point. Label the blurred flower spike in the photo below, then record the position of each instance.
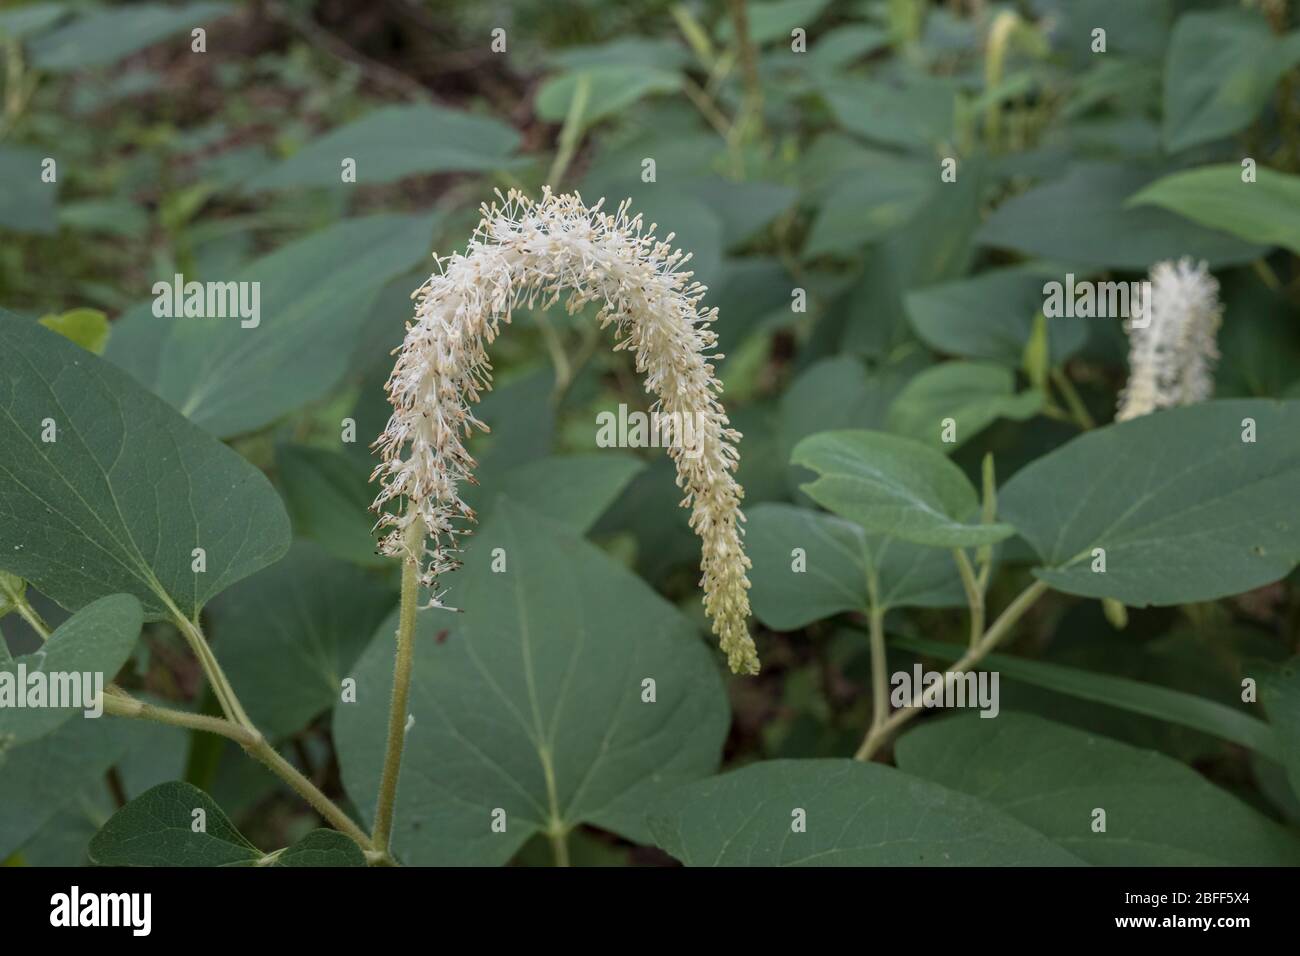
(1172, 355)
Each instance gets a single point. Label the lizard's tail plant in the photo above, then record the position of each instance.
(1171, 356)
(526, 252)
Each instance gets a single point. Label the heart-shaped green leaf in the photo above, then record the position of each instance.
(566, 693)
(106, 489)
(895, 486)
(840, 813)
(833, 568)
(177, 824)
(1054, 778)
(81, 657)
(1184, 508)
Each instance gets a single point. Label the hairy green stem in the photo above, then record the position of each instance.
(397, 708)
(120, 704)
(261, 750)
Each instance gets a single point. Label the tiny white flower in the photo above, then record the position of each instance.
(525, 253)
(1171, 358)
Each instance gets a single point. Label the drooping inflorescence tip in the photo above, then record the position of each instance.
(525, 253)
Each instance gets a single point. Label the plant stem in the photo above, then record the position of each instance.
(559, 357)
(748, 62)
(225, 693)
(988, 514)
(24, 608)
(1267, 275)
(1004, 24)
(570, 132)
(974, 595)
(291, 775)
(120, 704)
(1001, 627)
(559, 846)
(1072, 400)
(707, 109)
(397, 708)
(879, 669)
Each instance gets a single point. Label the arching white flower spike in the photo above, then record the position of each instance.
(526, 252)
(1171, 357)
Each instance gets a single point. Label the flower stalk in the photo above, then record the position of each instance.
(402, 666)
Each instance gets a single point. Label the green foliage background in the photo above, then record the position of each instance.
(863, 298)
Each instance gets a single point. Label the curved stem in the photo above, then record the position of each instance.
(397, 708)
(327, 808)
(120, 704)
(1001, 627)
